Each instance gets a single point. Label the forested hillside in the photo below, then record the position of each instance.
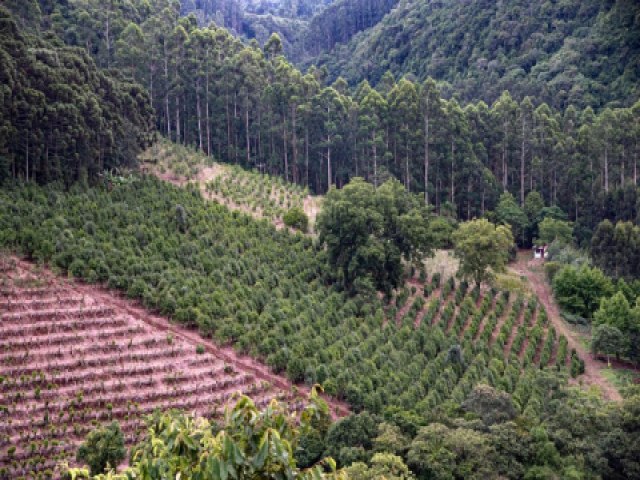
(250, 106)
(485, 126)
(573, 52)
(61, 117)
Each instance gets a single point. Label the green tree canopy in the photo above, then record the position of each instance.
(608, 340)
(552, 230)
(250, 444)
(482, 249)
(508, 212)
(369, 232)
(103, 449)
(579, 290)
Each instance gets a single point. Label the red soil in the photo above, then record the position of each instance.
(74, 355)
(593, 367)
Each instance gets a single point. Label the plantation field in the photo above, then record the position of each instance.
(73, 357)
(266, 292)
(260, 195)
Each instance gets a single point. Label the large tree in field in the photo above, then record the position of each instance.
(482, 249)
(369, 231)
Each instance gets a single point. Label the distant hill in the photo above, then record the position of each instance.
(579, 52)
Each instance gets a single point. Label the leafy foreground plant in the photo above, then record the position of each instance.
(250, 444)
(103, 448)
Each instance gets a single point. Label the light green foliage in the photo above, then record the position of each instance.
(296, 218)
(509, 213)
(441, 453)
(383, 466)
(552, 230)
(614, 311)
(369, 231)
(390, 439)
(607, 339)
(250, 444)
(103, 449)
(482, 248)
(579, 290)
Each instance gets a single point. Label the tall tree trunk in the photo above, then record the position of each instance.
(166, 95)
(426, 159)
(294, 142)
(107, 36)
(306, 154)
(453, 174)
(328, 162)
(284, 146)
(406, 166)
(228, 115)
(178, 136)
(606, 168)
(375, 162)
(199, 114)
(207, 116)
(246, 128)
(504, 157)
(522, 159)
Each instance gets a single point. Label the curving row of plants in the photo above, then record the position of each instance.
(242, 282)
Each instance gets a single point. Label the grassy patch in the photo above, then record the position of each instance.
(620, 378)
(443, 262)
(512, 283)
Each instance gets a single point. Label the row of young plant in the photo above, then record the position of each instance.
(268, 195)
(241, 281)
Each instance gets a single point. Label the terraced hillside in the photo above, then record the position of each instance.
(71, 360)
(268, 293)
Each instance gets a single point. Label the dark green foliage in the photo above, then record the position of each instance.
(369, 232)
(616, 249)
(574, 52)
(62, 118)
(296, 218)
(351, 437)
(491, 405)
(103, 448)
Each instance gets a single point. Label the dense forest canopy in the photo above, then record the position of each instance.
(572, 52)
(248, 105)
(63, 118)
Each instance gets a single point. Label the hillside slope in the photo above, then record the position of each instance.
(571, 51)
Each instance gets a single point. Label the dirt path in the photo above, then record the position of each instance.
(526, 267)
(311, 204)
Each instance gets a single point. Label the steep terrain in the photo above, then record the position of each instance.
(571, 52)
(75, 356)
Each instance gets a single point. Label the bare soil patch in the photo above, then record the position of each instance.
(76, 356)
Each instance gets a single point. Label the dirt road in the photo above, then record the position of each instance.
(532, 270)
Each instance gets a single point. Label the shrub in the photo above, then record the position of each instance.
(296, 218)
(200, 349)
(103, 447)
(550, 269)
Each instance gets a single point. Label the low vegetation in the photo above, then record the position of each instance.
(408, 364)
